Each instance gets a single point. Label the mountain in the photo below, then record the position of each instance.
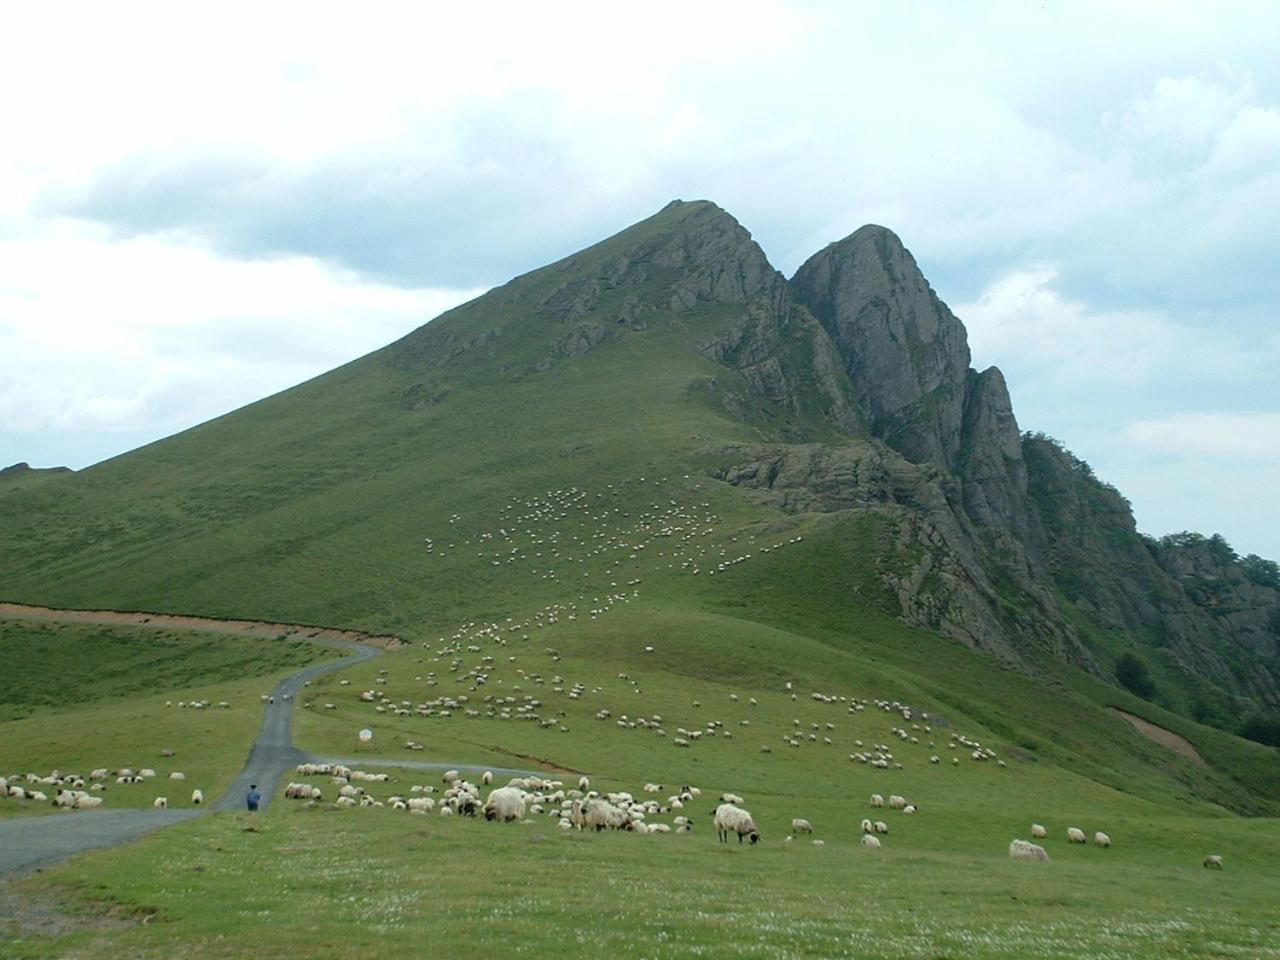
(637, 423)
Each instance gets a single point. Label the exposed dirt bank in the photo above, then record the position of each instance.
(1166, 738)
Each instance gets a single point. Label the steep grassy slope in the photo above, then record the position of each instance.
(549, 455)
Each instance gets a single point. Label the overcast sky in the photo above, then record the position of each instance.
(197, 210)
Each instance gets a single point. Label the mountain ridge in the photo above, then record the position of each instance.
(846, 391)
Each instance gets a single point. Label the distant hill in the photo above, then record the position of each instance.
(638, 422)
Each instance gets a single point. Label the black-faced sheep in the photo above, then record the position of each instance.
(731, 819)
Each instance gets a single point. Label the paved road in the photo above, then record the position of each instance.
(273, 752)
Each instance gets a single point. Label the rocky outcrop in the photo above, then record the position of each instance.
(1190, 600)
(945, 585)
(907, 356)
(905, 352)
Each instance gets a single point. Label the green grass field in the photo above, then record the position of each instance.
(76, 697)
(536, 524)
(374, 882)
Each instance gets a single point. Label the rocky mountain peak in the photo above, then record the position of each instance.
(904, 350)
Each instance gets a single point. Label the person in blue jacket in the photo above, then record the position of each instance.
(254, 797)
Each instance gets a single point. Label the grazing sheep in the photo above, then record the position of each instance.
(909, 808)
(731, 798)
(1213, 862)
(1025, 850)
(801, 826)
(881, 826)
(871, 842)
(177, 775)
(896, 802)
(197, 797)
(487, 777)
(867, 826)
(1076, 835)
(345, 802)
(505, 803)
(877, 800)
(450, 776)
(1038, 831)
(161, 803)
(731, 819)
(1100, 839)
(584, 784)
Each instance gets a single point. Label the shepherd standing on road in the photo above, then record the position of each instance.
(254, 798)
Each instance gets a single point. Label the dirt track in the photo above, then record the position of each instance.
(179, 621)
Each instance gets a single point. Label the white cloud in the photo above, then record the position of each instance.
(117, 335)
(1048, 342)
(1249, 437)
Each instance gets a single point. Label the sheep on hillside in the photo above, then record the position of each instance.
(197, 797)
(870, 841)
(801, 826)
(505, 803)
(731, 819)
(1076, 835)
(160, 803)
(1100, 839)
(1213, 861)
(867, 826)
(1038, 831)
(1024, 850)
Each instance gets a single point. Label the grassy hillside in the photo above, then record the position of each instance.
(374, 882)
(524, 490)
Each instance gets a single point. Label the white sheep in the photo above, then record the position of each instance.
(877, 800)
(867, 826)
(1038, 831)
(197, 797)
(881, 826)
(801, 826)
(1025, 850)
(487, 777)
(731, 819)
(505, 803)
(177, 775)
(896, 802)
(160, 803)
(1076, 835)
(1214, 861)
(870, 841)
(909, 808)
(1100, 839)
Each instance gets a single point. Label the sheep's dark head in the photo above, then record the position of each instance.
(754, 836)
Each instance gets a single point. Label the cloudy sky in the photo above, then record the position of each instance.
(197, 210)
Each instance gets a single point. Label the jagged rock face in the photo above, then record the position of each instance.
(1210, 618)
(906, 353)
(945, 586)
(991, 468)
(908, 358)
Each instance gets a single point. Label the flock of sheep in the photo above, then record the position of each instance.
(71, 791)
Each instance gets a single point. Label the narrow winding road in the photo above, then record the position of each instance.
(27, 842)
